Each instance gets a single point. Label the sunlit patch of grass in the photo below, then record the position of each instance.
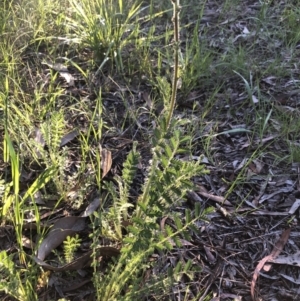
(105, 26)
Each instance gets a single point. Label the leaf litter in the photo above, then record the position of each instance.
(252, 192)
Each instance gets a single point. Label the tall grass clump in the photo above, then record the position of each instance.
(105, 26)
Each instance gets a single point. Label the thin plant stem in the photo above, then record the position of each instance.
(175, 19)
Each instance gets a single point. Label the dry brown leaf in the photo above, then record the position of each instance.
(231, 296)
(215, 198)
(76, 264)
(43, 216)
(68, 77)
(27, 242)
(61, 229)
(271, 195)
(293, 260)
(91, 207)
(106, 161)
(257, 142)
(39, 141)
(257, 166)
(148, 100)
(68, 137)
(81, 261)
(271, 80)
(255, 99)
(56, 66)
(63, 71)
(295, 206)
(291, 279)
(275, 252)
(210, 256)
(268, 213)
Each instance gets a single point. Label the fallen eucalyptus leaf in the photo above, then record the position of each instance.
(91, 207)
(64, 227)
(81, 261)
(68, 137)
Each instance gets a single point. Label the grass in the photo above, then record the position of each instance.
(153, 91)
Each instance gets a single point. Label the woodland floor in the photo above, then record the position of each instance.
(245, 113)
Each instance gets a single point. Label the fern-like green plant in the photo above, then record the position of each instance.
(71, 244)
(118, 212)
(53, 155)
(53, 131)
(165, 188)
